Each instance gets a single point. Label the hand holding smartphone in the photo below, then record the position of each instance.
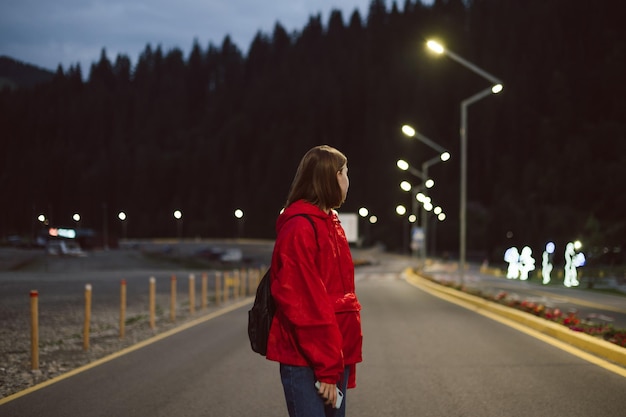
(339, 395)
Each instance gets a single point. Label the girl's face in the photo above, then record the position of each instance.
(344, 182)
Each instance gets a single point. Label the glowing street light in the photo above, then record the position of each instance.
(409, 131)
(365, 231)
(404, 166)
(239, 217)
(122, 216)
(178, 215)
(495, 88)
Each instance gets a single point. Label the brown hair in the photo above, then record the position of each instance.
(316, 178)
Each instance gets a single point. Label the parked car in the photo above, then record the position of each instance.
(65, 248)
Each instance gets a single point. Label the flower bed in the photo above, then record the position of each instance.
(594, 325)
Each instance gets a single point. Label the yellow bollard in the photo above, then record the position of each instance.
(122, 308)
(244, 281)
(205, 279)
(218, 287)
(173, 298)
(86, 327)
(236, 284)
(192, 294)
(34, 330)
(226, 292)
(251, 280)
(262, 272)
(152, 302)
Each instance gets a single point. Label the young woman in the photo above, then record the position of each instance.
(316, 331)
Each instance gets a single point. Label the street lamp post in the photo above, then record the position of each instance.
(239, 217)
(178, 215)
(362, 240)
(122, 216)
(444, 155)
(406, 186)
(401, 211)
(425, 166)
(412, 133)
(494, 89)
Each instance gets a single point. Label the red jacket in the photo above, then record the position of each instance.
(317, 321)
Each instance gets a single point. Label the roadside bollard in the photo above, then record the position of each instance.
(226, 291)
(152, 302)
(203, 301)
(86, 327)
(244, 281)
(218, 287)
(122, 308)
(259, 277)
(251, 279)
(236, 284)
(255, 284)
(173, 298)
(34, 330)
(192, 294)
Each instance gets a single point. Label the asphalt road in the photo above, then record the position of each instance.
(423, 357)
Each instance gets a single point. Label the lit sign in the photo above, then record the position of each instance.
(66, 233)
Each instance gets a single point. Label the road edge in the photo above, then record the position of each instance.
(129, 349)
(601, 348)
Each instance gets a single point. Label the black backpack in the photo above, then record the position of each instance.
(262, 312)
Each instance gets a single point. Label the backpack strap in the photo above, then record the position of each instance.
(312, 225)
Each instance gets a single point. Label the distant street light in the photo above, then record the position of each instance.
(178, 215)
(122, 216)
(239, 216)
(495, 88)
(443, 156)
(409, 131)
(404, 166)
(428, 183)
(365, 234)
(401, 211)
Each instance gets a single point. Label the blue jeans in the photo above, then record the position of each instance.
(301, 394)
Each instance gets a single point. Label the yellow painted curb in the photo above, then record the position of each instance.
(585, 342)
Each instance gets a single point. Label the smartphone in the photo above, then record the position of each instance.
(339, 395)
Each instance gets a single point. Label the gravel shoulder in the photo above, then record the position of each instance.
(61, 282)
